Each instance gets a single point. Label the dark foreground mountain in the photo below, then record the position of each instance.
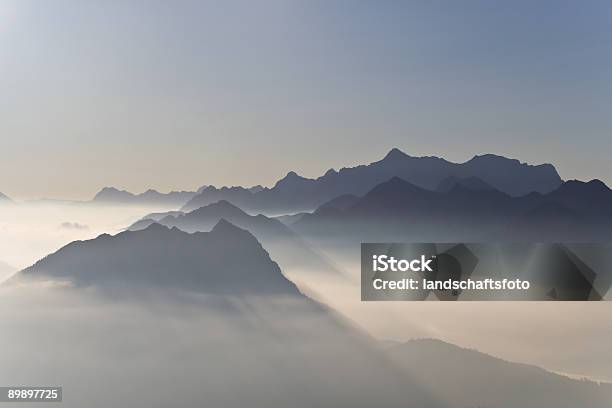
(111, 195)
(201, 319)
(294, 193)
(285, 246)
(226, 260)
(469, 378)
(400, 210)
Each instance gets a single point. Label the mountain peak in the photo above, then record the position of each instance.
(112, 193)
(155, 226)
(330, 172)
(491, 157)
(227, 260)
(397, 186)
(291, 179)
(395, 154)
(223, 226)
(222, 208)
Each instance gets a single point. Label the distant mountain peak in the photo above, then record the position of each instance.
(330, 172)
(291, 179)
(397, 186)
(395, 182)
(223, 226)
(292, 175)
(395, 154)
(111, 189)
(151, 196)
(155, 226)
(111, 194)
(491, 156)
(221, 208)
(223, 204)
(256, 189)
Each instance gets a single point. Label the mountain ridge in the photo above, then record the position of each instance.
(112, 195)
(226, 260)
(470, 377)
(281, 241)
(294, 193)
(574, 211)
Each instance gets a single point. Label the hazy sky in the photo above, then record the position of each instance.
(173, 95)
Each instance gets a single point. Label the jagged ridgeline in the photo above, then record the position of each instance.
(294, 193)
(285, 246)
(468, 210)
(226, 260)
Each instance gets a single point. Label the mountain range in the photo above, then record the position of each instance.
(316, 347)
(111, 195)
(286, 247)
(294, 193)
(468, 212)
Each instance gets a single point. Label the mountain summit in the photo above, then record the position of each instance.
(226, 260)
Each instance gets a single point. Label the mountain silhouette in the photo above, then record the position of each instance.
(226, 260)
(470, 378)
(591, 198)
(575, 211)
(111, 195)
(285, 245)
(256, 189)
(294, 193)
(205, 218)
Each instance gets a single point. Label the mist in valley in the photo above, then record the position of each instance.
(156, 346)
(32, 230)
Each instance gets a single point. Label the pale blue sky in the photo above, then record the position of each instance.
(172, 95)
